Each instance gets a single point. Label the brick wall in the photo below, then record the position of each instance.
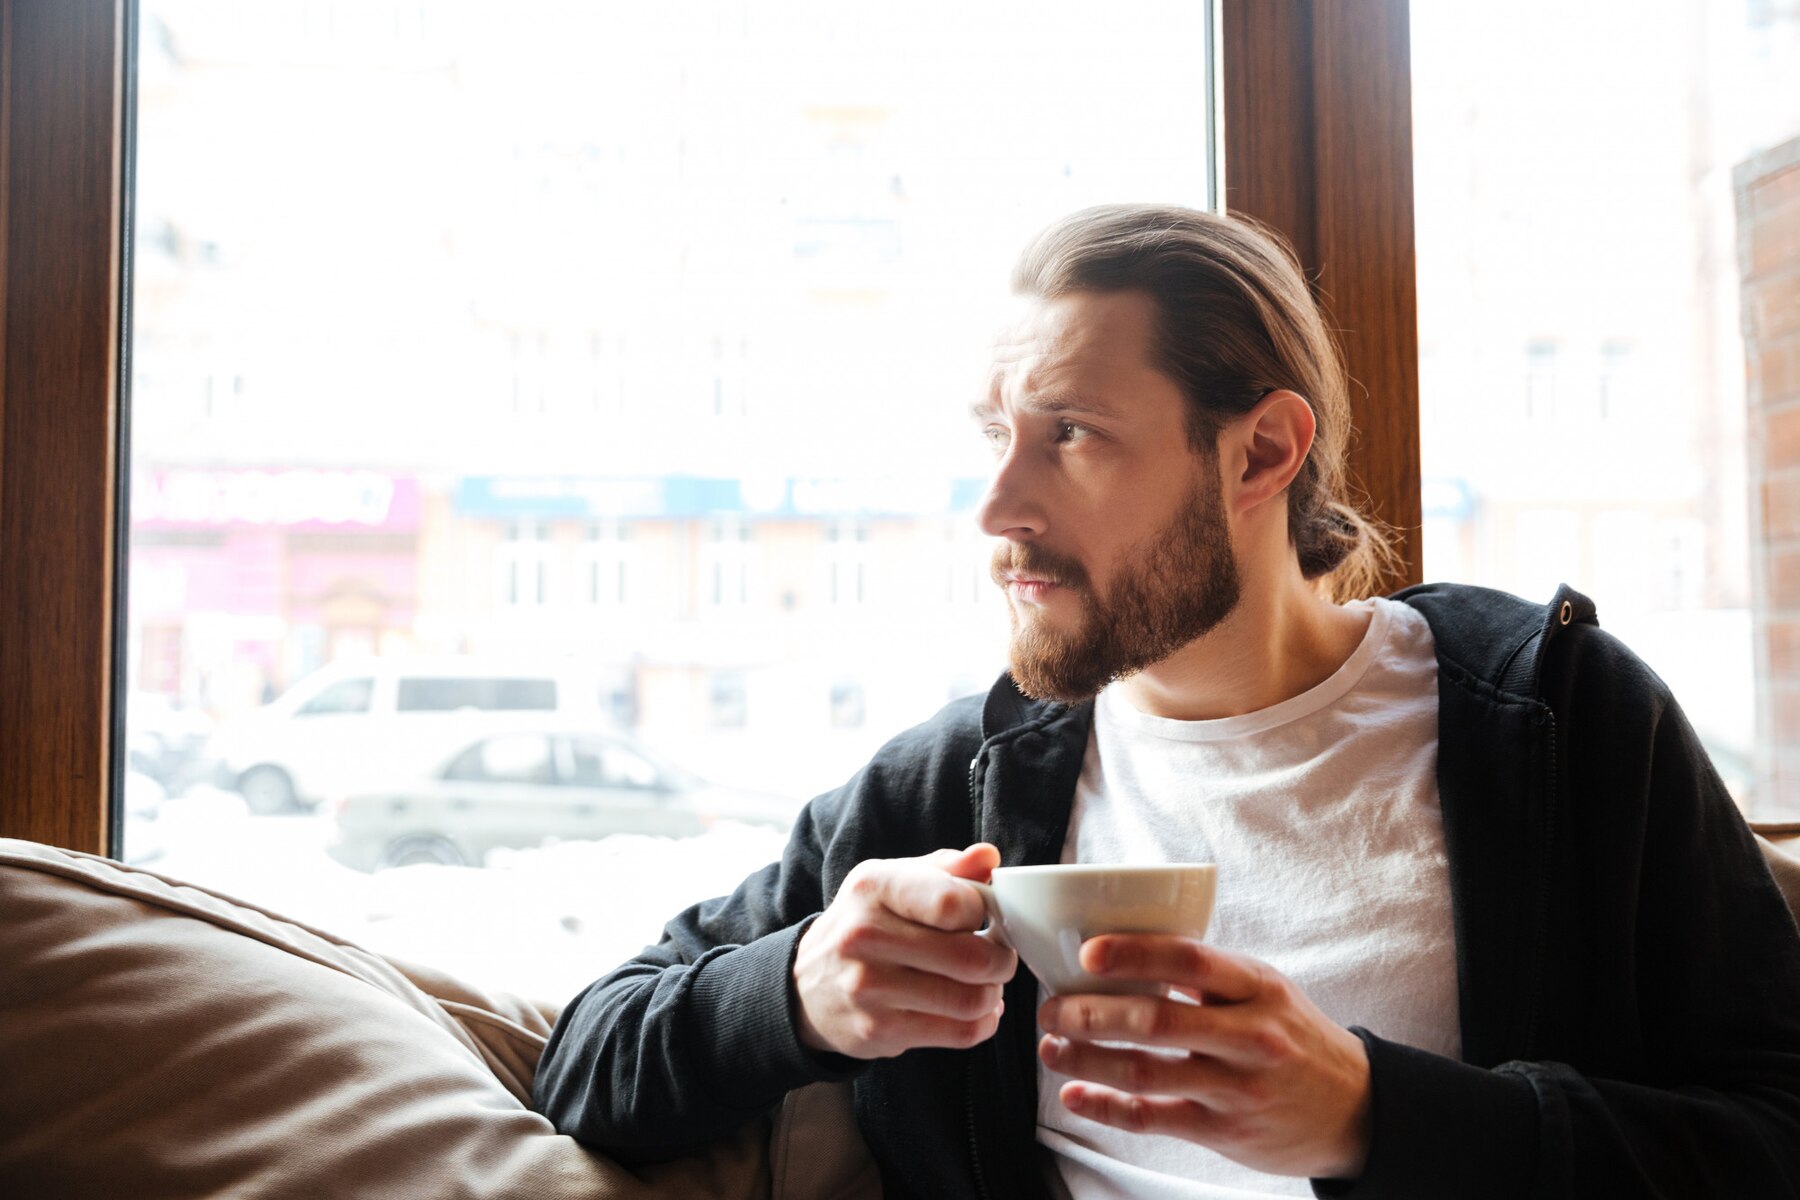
(1768, 204)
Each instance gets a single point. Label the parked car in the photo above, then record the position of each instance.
(170, 744)
(365, 725)
(523, 786)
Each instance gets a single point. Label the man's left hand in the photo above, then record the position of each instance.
(1267, 1079)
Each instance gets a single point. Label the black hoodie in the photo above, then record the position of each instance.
(1628, 974)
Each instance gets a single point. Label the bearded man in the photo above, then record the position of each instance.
(1489, 924)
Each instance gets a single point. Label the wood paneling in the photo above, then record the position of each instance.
(61, 114)
(1318, 144)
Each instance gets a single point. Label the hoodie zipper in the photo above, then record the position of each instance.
(1546, 840)
(981, 1188)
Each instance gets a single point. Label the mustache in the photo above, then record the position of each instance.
(1013, 558)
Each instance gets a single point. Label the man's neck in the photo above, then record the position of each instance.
(1278, 642)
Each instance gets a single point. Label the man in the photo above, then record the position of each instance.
(1488, 923)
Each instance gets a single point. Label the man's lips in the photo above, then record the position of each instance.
(1030, 588)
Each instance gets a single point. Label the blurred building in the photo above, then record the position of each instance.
(659, 351)
(1768, 190)
(655, 325)
(1582, 382)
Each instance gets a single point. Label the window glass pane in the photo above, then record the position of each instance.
(345, 696)
(490, 695)
(514, 759)
(1587, 275)
(636, 339)
(608, 764)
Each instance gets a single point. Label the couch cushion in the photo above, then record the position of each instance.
(160, 1040)
(1781, 850)
(816, 1151)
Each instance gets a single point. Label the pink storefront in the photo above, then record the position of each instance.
(244, 580)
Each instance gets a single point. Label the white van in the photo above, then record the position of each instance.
(361, 725)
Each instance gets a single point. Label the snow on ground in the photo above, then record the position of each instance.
(542, 923)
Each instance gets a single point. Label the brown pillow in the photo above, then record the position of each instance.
(1780, 845)
(159, 1040)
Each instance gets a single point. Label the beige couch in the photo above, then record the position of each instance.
(159, 1040)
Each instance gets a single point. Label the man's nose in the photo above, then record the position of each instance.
(1011, 508)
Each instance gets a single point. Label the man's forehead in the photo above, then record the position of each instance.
(1032, 323)
(1074, 331)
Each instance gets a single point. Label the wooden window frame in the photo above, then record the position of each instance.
(1318, 144)
(1315, 106)
(64, 117)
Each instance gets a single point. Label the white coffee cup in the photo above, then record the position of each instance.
(1047, 912)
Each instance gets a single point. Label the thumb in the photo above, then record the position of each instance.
(977, 862)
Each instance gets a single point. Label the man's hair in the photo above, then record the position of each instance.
(1235, 322)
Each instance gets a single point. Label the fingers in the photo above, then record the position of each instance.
(962, 957)
(927, 894)
(892, 1033)
(1139, 1072)
(893, 962)
(1257, 1071)
(1226, 1032)
(907, 990)
(1172, 1115)
(977, 862)
(1211, 973)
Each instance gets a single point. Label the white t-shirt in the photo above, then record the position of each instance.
(1322, 815)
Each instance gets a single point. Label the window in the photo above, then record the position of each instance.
(1619, 395)
(524, 560)
(607, 564)
(518, 758)
(847, 705)
(344, 696)
(433, 615)
(655, 371)
(727, 564)
(1576, 203)
(607, 764)
(1541, 356)
(486, 695)
(618, 697)
(729, 700)
(847, 563)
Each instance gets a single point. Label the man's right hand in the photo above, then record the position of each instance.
(894, 963)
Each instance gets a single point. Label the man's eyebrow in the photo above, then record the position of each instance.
(1051, 405)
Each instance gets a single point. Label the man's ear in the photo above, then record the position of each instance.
(1262, 451)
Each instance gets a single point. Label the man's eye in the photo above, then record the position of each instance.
(996, 435)
(1069, 431)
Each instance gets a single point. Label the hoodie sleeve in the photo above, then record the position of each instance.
(1679, 1073)
(696, 1035)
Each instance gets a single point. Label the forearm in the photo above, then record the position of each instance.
(657, 1059)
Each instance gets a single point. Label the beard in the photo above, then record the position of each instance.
(1174, 588)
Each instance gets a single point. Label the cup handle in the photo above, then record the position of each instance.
(994, 929)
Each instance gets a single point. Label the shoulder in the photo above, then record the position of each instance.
(911, 797)
(1531, 649)
(1481, 631)
(953, 733)
(914, 794)
(1618, 729)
